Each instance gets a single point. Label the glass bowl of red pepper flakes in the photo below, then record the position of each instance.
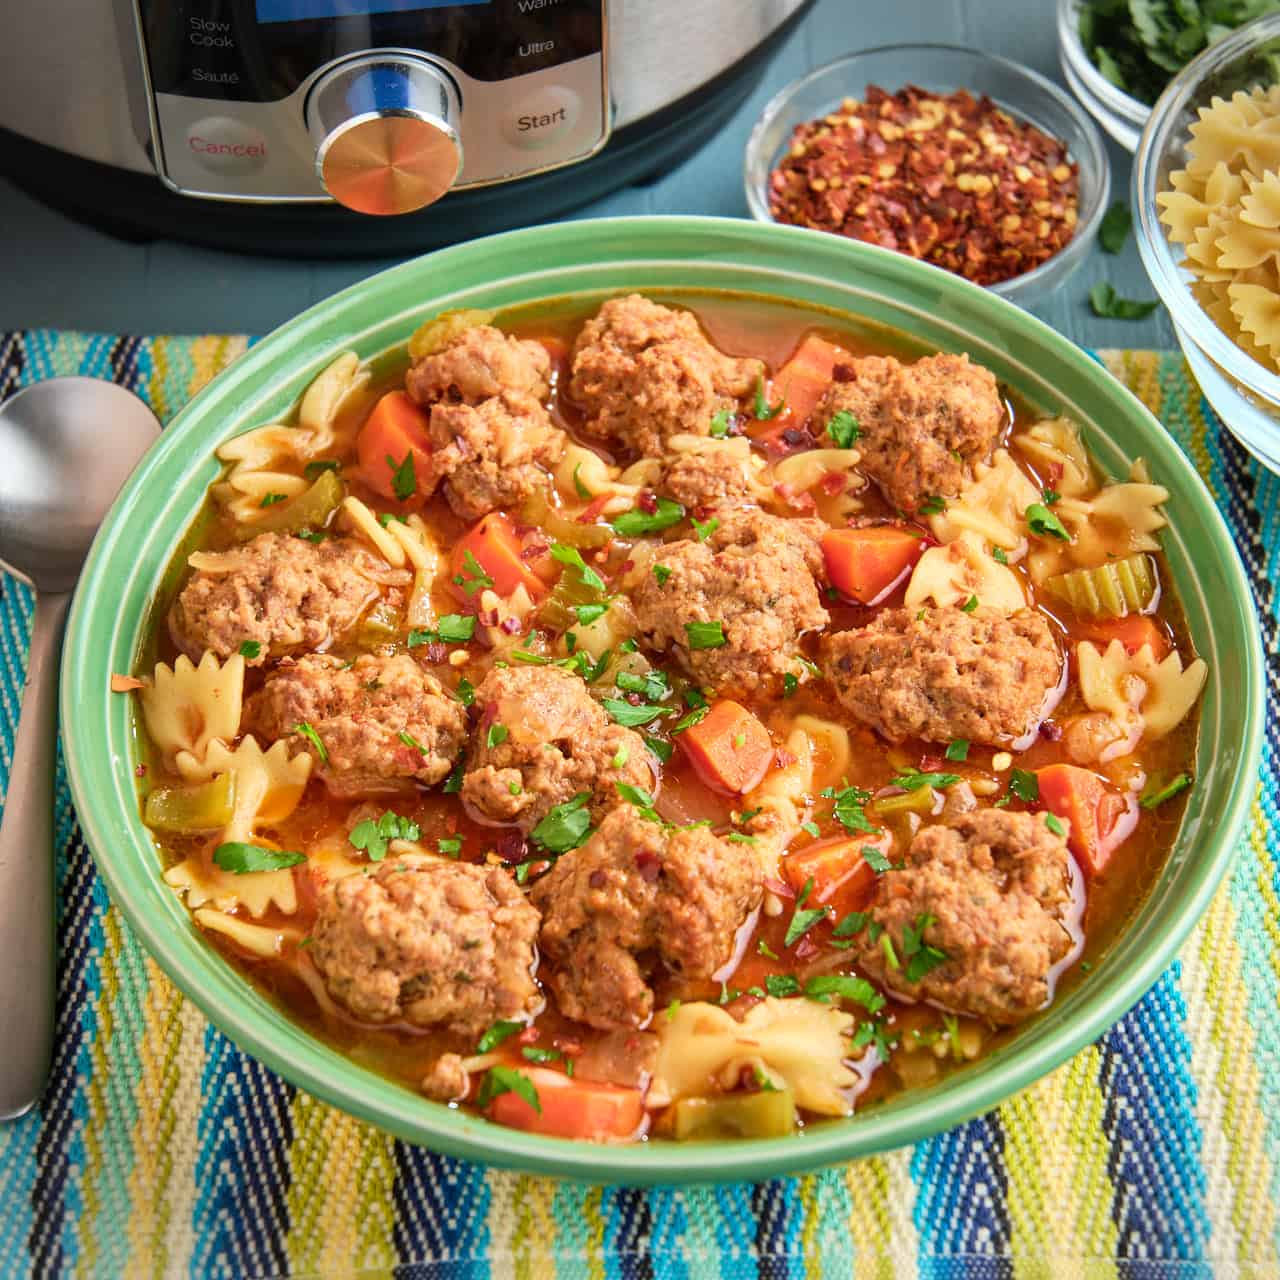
(959, 158)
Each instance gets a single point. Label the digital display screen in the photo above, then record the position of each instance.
(302, 10)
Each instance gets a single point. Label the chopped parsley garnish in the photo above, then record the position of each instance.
(314, 536)
(969, 605)
(373, 836)
(1043, 522)
(811, 828)
(696, 716)
(571, 558)
(500, 1080)
(659, 748)
(497, 735)
(534, 1053)
(241, 859)
(763, 412)
(450, 846)
(530, 659)
(764, 949)
(1054, 823)
(404, 478)
(720, 424)
(502, 1030)
(313, 469)
(848, 808)
(736, 837)
(672, 1009)
(250, 649)
(843, 429)
(999, 555)
(1153, 799)
(922, 957)
(1025, 785)
(875, 859)
(270, 499)
(453, 783)
(957, 749)
(781, 985)
(705, 528)
(789, 685)
(662, 573)
(1050, 496)
(640, 799)
(410, 741)
(803, 921)
(914, 780)
(933, 505)
(453, 628)
(631, 524)
(631, 714)
(652, 685)
(578, 487)
(386, 517)
(705, 635)
(852, 924)
(312, 737)
(762, 1080)
(845, 987)
(465, 692)
(890, 955)
(589, 613)
(473, 577)
(620, 757)
(566, 826)
(694, 697)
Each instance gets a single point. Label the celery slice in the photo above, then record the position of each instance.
(436, 334)
(922, 800)
(311, 509)
(768, 1114)
(186, 809)
(1111, 590)
(539, 511)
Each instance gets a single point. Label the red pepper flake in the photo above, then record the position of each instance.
(529, 1035)
(952, 180)
(597, 879)
(510, 847)
(648, 502)
(140, 771)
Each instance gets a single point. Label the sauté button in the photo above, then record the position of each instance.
(222, 144)
(543, 117)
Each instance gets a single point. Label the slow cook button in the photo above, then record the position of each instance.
(542, 118)
(223, 145)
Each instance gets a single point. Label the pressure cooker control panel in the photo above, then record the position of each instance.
(382, 105)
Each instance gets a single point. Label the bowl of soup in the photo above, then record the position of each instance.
(663, 700)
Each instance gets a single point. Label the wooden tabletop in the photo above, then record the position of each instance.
(58, 273)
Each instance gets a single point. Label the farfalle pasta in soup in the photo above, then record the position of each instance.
(640, 719)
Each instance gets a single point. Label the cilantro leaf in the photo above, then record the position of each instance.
(848, 808)
(933, 505)
(372, 836)
(704, 529)
(857, 990)
(802, 922)
(720, 424)
(571, 558)
(922, 957)
(640, 799)
(875, 859)
(497, 735)
(241, 859)
(1054, 823)
(631, 714)
(565, 827)
(850, 925)
(473, 578)
(957, 749)
(662, 573)
(453, 628)
(1025, 785)
(659, 748)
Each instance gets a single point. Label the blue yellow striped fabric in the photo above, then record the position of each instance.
(162, 1150)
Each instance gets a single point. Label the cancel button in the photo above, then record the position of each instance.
(542, 118)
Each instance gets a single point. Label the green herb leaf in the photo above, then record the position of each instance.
(933, 505)
(852, 924)
(705, 635)
(843, 429)
(565, 827)
(465, 692)
(1050, 496)
(704, 529)
(473, 577)
(802, 922)
(970, 605)
(922, 958)
(372, 836)
(875, 859)
(811, 828)
(534, 1053)
(630, 714)
(453, 783)
(781, 985)
(763, 412)
(957, 749)
(764, 949)
(404, 479)
(720, 424)
(1025, 785)
(662, 750)
(672, 1009)
(270, 499)
(453, 628)
(314, 469)
(631, 524)
(915, 780)
(578, 487)
(640, 799)
(662, 573)
(696, 716)
(1114, 230)
(652, 685)
(250, 649)
(790, 684)
(1108, 304)
(450, 846)
(762, 1081)
(410, 741)
(1054, 823)
(312, 737)
(1152, 799)
(500, 1080)
(242, 859)
(500, 1031)
(386, 517)
(845, 987)
(848, 809)
(497, 735)
(999, 555)
(1042, 521)
(571, 557)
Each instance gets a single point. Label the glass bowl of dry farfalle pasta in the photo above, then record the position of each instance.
(1207, 192)
(1206, 185)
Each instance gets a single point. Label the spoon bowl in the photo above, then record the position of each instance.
(66, 447)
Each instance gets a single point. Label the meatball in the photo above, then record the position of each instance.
(284, 594)
(705, 481)
(731, 612)
(559, 742)
(365, 716)
(479, 363)
(430, 943)
(492, 454)
(923, 425)
(637, 895)
(644, 372)
(976, 916)
(940, 674)
(765, 535)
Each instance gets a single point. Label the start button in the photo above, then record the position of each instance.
(225, 145)
(542, 118)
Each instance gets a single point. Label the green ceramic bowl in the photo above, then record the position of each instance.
(146, 523)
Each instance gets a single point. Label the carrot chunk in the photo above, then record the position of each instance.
(585, 1109)
(492, 547)
(1133, 632)
(866, 563)
(395, 430)
(729, 749)
(842, 878)
(1099, 818)
(804, 379)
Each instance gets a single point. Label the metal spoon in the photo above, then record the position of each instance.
(66, 447)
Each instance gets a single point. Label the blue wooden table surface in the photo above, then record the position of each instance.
(55, 272)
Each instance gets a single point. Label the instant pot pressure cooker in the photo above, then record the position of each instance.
(362, 126)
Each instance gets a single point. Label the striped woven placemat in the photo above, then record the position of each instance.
(160, 1149)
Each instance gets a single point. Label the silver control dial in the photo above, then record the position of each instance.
(384, 127)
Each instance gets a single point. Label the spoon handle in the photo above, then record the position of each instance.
(26, 874)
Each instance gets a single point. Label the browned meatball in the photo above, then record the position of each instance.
(764, 535)
(558, 743)
(480, 362)
(704, 482)
(923, 425)
(634, 896)
(430, 943)
(940, 674)
(492, 454)
(645, 372)
(285, 594)
(359, 713)
(731, 613)
(987, 891)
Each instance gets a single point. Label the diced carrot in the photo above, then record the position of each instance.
(495, 548)
(570, 1108)
(1099, 818)
(842, 878)
(394, 430)
(804, 379)
(865, 563)
(729, 748)
(1133, 632)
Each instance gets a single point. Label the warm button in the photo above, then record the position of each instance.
(543, 117)
(223, 145)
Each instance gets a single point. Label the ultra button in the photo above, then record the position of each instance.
(542, 118)
(224, 145)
